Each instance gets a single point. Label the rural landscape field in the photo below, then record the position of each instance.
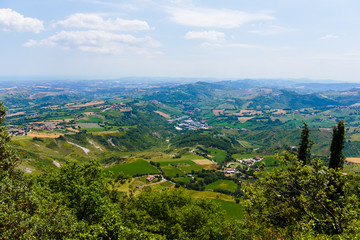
(209, 140)
(179, 120)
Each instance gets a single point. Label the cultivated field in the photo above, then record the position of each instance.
(167, 116)
(137, 167)
(353, 160)
(44, 135)
(218, 112)
(244, 119)
(91, 104)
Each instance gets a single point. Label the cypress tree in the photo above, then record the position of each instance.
(305, 145)
(337, 158)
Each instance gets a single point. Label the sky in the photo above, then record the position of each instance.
(227, 39)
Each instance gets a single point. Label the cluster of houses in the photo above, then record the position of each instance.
(121, 107)
(118, 106)
(17, 132)
(250, 161)
(192, 125)
(29, 128)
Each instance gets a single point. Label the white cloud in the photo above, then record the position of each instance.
(94, 21)
(329, 36)
(15, 22)
(97, 42)
(207, 17)
(212, 36)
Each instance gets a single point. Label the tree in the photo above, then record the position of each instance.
(300, 197)
(337, 158)
(305, 145)
(175, 215)
(8, 156)
(310, 197)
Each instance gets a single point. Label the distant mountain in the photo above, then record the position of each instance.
(289, 99)
(302, 87)
(186, 93)
(240, 92)
(346, 98)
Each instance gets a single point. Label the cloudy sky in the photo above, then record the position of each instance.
(317, 39)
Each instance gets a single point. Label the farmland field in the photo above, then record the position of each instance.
(172, 171)
(353, 160)
(44, 135)
(182, 179)
(177, 162)
(222, 184)
(219, 155)
(137, 167)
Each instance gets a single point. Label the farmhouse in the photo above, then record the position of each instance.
(250, 161)
(150, 178)
(230, 171)
(17, 132)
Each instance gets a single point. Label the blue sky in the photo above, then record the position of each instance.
(317, 39)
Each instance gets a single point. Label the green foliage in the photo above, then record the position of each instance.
(202, 138)
(177, 216)
(234, 210)
(8, 157)
(337, 158)
(23, 215)
(288, 99)
(82, 187)
(305, 145)
(312, 198)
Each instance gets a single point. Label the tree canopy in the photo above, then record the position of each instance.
(337, 158)
(303, 201)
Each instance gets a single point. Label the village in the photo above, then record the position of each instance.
(30, 127)
(190, 124)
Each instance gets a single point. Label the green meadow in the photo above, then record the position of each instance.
(222, 184)
(137, 167)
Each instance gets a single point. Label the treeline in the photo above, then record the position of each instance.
(192, 139)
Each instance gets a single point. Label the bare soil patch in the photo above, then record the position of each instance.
(279, 112)
(206, 164)
(244, 119)
(73, 130)
(91, 103)
(44, 135)
(167, 116)
(209, 167)
(15, 114)
(247, 112)
(203, 162)
(353, 160)
(218, 112)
